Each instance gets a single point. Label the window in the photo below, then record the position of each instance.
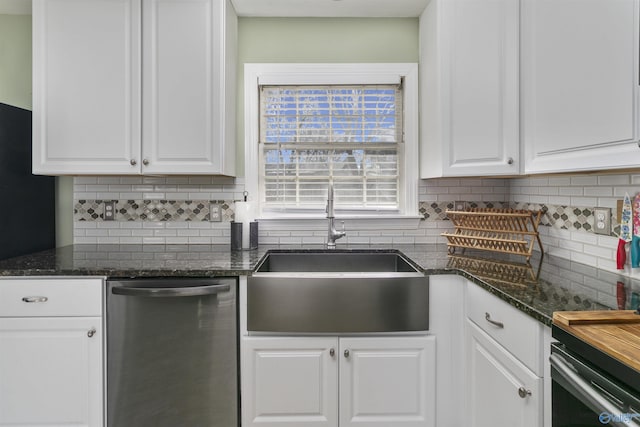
(313, 135)
(351, 126)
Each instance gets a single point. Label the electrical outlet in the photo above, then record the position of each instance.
(215, 212)
(109, 210)
(602, 221)
(460, 206)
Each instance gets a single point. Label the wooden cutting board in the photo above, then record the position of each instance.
(615, 332)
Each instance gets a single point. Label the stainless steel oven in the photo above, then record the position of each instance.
(589, 387)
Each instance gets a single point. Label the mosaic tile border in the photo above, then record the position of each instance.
(571, 218)
(558, 216)
(436, 211)
(153, 210)
(563, 217)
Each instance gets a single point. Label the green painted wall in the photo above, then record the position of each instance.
(64, 210)
(15, 60)
(265, 40)
(259, 40)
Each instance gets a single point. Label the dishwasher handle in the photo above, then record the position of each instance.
(180, 291)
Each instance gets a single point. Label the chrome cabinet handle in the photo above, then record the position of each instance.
(487, 317)
(510, 160)
(346, 353)
(332, 352)
(35, 299)
(91, 332)
(523, 392)
(145, 162)
(133, 162)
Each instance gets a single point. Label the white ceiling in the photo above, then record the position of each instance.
(15, 7)
(330, 8)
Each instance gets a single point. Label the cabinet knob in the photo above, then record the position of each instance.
(346, 353)
(523, 392)
(510, 160)
(145, 162)
(487, 317)
(133, 162)
(35, 299)
(332, 352)
(91, 332)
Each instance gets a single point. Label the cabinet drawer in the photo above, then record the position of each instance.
(520, 334)
(50, 297)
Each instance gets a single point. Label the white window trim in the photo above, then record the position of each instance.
(362, 73)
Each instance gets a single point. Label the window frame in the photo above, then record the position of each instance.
(330, 74)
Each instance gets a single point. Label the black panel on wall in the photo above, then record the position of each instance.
(27, 202)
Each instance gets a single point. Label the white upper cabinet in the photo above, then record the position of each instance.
(579, 85)
(188, 103)
(86, 86)
(134, 86)
(469, 78)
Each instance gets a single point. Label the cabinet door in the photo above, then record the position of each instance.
(580, 84)
(495, 378)
(51, 372)
(470, 86)
(86, 86)
(289, 381)
(184, 86)
(387, 381)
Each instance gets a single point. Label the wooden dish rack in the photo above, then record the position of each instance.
(506, 273)
(500, 230)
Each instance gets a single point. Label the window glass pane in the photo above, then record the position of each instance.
(348, 135)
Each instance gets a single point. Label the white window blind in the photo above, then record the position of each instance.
(349, 135)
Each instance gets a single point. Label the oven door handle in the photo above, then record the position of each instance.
(595, 400)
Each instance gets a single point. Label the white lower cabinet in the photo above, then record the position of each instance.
(338, 381)
(501, 391)
(387, 381)
(289, 381)
(503, 363)
(51, 353)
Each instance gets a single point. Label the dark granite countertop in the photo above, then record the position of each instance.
(537, 288)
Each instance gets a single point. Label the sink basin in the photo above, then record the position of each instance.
(335, 262)
(337, 292)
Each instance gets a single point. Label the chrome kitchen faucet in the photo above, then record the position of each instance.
(333, 234)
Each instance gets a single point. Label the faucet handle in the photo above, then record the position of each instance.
(342, 226)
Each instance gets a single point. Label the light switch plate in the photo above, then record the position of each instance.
(602, 221)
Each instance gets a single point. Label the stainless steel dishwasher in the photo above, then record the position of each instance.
(172, 353)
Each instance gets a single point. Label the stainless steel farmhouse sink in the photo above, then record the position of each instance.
(337, 292)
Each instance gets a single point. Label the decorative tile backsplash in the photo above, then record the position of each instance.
(563, 217)
(438, 210)
(152, 210)
(166, 210)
